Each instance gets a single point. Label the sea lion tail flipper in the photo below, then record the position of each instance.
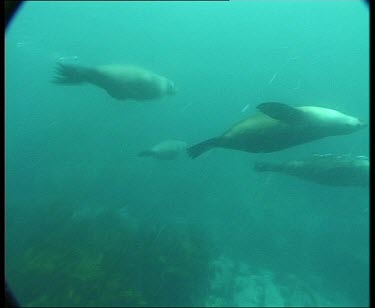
(198, 149)
(282, 112)
(69, 74)
(146, 153)
(263, 166)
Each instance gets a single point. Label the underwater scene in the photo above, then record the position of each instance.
(210, 154)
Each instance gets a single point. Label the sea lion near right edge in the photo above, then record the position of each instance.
(328, 169)
(122, 82)
(278, 126)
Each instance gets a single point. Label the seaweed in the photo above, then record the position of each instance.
(103, 261)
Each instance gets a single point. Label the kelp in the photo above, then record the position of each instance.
(107, 261)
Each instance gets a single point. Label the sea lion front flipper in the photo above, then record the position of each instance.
(282, 112)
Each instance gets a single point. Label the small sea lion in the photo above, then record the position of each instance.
(328, 169)
(166, 150)
(120, 81)
(278, 126)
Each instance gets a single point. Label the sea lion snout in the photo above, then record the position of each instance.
(358, 126)
(171, 88)
(361, 125)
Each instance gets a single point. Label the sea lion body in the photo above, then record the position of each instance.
(166, 150)
(120, 82)
(280, 126)
(329, 169)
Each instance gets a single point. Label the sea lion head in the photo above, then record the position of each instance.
(338, 122)
(352, 124)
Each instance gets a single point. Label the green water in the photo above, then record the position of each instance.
(89, 223)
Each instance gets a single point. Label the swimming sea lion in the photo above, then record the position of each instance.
(120, 82)
(328, 169)
(166, 150)
(279, 126)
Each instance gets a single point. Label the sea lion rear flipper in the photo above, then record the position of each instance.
(260, 166)
(69, 74)
(198, 149)
(282, 112)
(263, 166)
(146, 153)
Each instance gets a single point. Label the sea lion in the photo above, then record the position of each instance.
(166, 150)
(328, 169)
(278, 126)
(120, 82)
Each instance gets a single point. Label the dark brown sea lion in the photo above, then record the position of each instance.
(278, 126)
